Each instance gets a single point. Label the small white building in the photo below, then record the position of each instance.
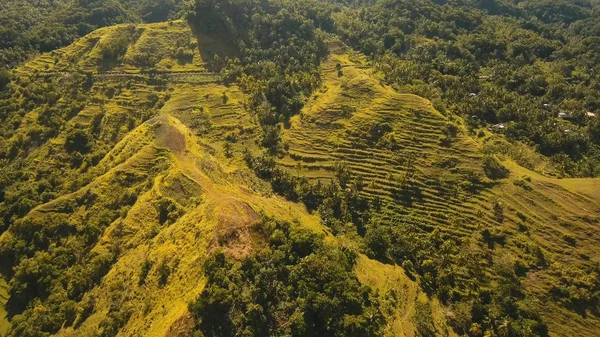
(564, 115)
(497, 127)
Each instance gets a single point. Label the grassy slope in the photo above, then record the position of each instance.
(398, 294)
(557, 208)
(218, 195)
(161, 40)
(4, 324)
(554, 208)
(182, 245)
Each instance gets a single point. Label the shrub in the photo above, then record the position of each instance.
(4, 79)
(78, 141)
(498, 211)
(570, 240)
(164, 271)
(145, 269)
(424, 320)
(378, 241)
(493, 168)
(113, 50)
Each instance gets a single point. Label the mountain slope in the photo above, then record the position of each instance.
(526, 213)
(146, 179)
(153, 200)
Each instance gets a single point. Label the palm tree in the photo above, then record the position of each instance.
(505, 328)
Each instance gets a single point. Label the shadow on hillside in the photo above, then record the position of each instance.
(407, 195)
(214, 50)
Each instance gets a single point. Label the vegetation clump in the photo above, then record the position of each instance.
(297, 286)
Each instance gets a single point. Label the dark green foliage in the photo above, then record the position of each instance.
(297, 286)
(271, 139)
(145, 269)
(157, 10)
(227, 149)
(424, 320)
(378, 242)
(168, 211)
(279, 52)
(570, 240)
(378, 130)
(201, 121)
(579, 286)
(337, 202)
(116, 318)
(342, 174)
(493, 168)
(498, 211)
(78, 141)
(164, 271)
(4, 79)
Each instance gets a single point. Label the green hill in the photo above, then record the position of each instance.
(150, 188)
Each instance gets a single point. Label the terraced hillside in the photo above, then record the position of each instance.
(156, 191)
(168, 46)
(425, 171)
(390, 139)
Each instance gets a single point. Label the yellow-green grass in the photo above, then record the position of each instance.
(218, 194)
(159, 40)
(321, 137)
(224, 203)
(4, 323)
(398, 295)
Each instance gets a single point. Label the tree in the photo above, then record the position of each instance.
(378, 240)
(4, 79)
(78, 141)
(493, 168)
(299, 276)
(227, 148)
(343, 175)
(498, 211)
(157, 10)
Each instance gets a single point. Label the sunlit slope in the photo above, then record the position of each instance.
(164, 47)
(399, 295)
(162, 194)
(330, 131)
(208, 201)
(562, 217)
(178, 196)
(210, 204)
(559, 217)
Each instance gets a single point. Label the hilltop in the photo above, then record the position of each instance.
(158, 181)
